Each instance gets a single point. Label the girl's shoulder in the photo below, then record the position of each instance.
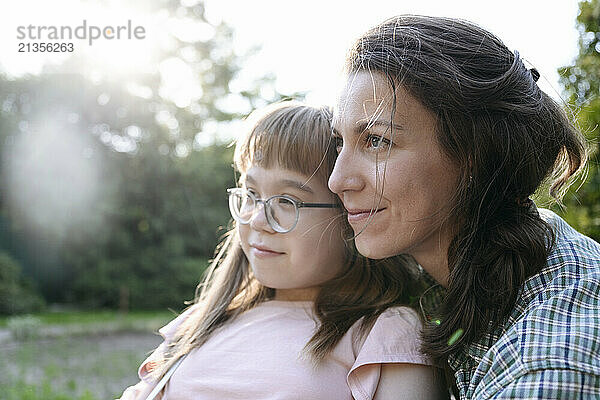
(400, 319)
(401, 316)
(394, 337)
(169, 330)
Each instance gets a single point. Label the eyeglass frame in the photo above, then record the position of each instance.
(297, 205)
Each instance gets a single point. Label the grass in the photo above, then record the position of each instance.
(88, 356)
(83, 323)
(81, 368)
(25, 391)
(89, 317)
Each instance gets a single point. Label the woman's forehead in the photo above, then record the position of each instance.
(363, 88)
(367, 99)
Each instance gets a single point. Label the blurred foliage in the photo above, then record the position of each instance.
(145, 321)
(581, 82)
(17, 294)
(113, 194)
(73, 367)
(44, 390)
(24, 327)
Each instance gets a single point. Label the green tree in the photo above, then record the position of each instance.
(581, 82)
(17, 294)
(155, 180)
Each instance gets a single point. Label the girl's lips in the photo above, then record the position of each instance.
(360, 215)
(260, 251)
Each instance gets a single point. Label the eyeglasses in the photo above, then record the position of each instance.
(281, 211)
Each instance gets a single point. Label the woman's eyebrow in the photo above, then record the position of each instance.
(363, 125)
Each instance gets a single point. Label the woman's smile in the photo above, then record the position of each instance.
(362, 215)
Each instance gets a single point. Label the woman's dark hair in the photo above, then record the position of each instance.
(505, 135)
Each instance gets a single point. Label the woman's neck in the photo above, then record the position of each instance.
(436, 266)
(434, 259)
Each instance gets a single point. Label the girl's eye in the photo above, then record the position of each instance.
(377, 142)
(283, 202)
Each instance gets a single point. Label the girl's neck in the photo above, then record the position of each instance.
(304, 294)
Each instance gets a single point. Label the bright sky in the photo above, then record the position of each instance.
(303, 42)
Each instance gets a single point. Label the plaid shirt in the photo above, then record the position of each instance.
(550, 346)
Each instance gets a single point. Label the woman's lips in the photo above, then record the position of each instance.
(355, 215)
(261, 251)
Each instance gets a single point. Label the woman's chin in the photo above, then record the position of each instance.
(369, 248)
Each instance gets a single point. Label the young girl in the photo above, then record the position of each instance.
(288, 309)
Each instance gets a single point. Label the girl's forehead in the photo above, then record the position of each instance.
(258, 171)
(279, 177)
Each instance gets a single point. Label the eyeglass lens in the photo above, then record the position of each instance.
(281, 212)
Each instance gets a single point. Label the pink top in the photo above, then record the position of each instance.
(259, 356)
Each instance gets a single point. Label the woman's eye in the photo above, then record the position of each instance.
(377, 142)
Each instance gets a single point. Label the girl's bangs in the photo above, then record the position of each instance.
(289, 135)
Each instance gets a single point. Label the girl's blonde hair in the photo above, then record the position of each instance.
(296, 137)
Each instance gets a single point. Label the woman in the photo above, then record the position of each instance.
(442, 136)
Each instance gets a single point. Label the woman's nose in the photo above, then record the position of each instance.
(344, 176)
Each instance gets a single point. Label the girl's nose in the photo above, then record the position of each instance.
(259, 219)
